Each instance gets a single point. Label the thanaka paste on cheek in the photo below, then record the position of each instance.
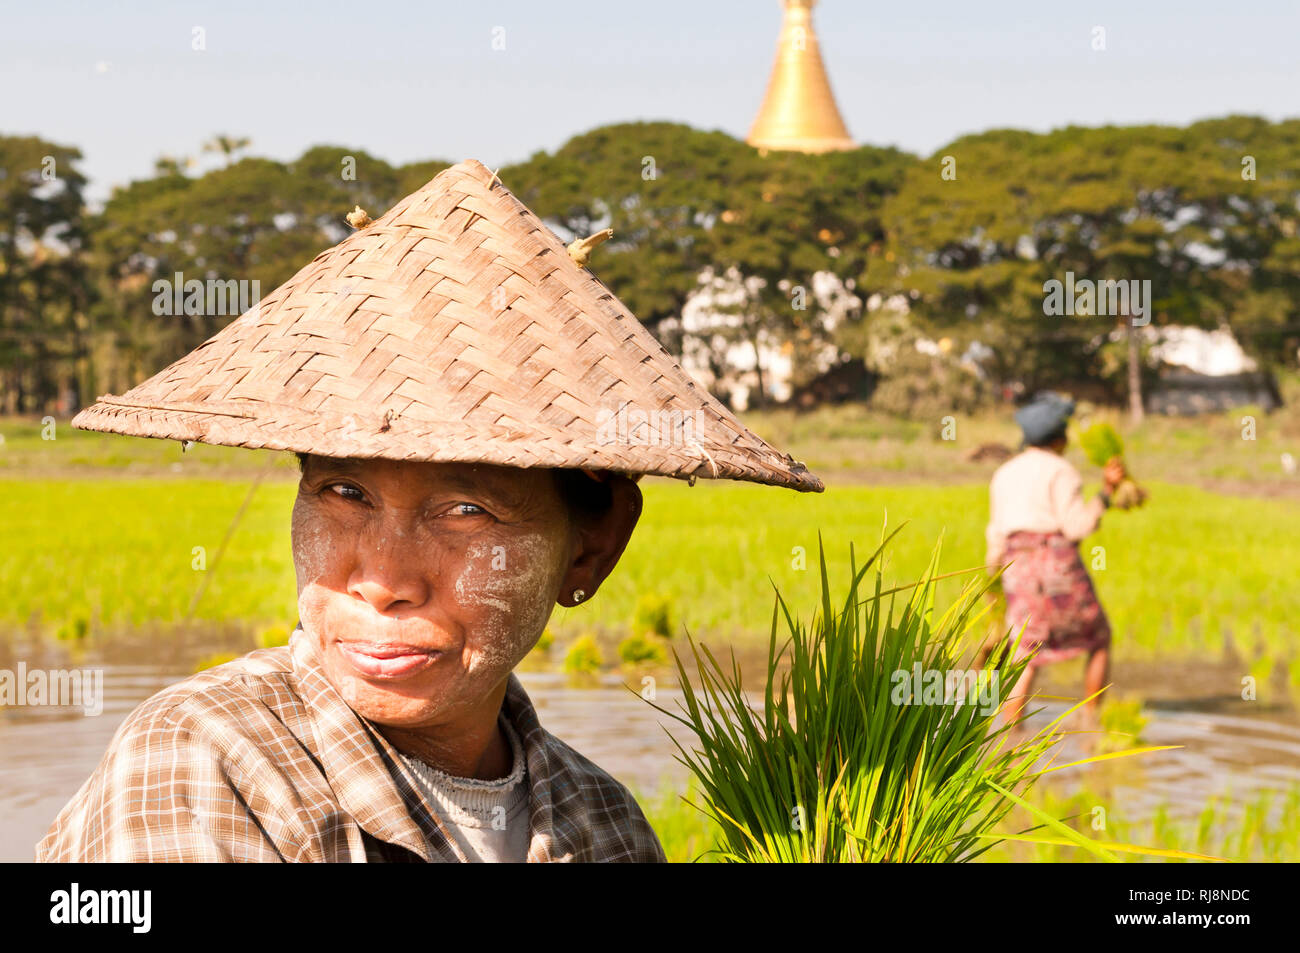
(491, 599)
(312, 546)
(509, 587)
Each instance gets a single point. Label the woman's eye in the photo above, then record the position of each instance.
(346, 491)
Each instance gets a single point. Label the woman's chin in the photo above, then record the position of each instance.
(404, 699)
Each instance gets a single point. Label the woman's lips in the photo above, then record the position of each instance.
(377, 660)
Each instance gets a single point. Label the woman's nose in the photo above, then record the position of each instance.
(389, 573)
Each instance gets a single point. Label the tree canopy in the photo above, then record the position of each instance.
(965, 243)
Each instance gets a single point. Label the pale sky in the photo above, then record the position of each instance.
(412, 80)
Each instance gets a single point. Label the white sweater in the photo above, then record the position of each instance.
(1038, 491)
(487, 820)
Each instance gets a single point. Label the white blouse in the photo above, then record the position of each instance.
(488, 820)
(1038, 491)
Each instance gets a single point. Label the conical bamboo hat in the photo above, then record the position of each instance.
(456, 328)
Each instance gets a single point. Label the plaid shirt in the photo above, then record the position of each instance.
(261, 759)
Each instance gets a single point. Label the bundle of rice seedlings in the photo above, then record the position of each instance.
(846, 761)
(643, 649)
(584, 656)
(653, 614)
(1102, 444)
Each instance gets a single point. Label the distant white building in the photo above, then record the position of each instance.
(1211, 353)
(726, 360)
(1204, 371)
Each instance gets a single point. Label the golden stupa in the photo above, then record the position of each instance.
(799, 112)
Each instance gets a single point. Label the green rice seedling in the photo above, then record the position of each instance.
(685, 834)
(584, 656)
(643, 649)
(1263, 828)
(654, 615)
(1102, 444)
(1261, 671)
(1268, 825)
(847, 760)
(870, 773)
(1122, 722)
(74, 629)
(545, 641)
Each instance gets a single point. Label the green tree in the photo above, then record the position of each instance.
(252, 220)
(660, 186)
(1144, 203)
(45, 290)
(681, 201)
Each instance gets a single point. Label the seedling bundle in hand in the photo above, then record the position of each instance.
(1102, 445)
(842, 761)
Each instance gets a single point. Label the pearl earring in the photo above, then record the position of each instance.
(578, 595)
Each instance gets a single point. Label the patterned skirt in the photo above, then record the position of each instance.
(1049, 592)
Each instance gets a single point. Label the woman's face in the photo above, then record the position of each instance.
(424, 584)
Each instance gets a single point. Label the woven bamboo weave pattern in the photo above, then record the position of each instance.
(453, 328)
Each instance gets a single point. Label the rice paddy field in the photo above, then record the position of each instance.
(1263, 829)
(107, 538)
(1195, 573)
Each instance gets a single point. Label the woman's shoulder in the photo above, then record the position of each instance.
(571, 767)
(1034, 462)
(199, 741)
(606, 820)
(595, 816)
(244, 690)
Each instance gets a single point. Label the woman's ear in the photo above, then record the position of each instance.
(601, 541)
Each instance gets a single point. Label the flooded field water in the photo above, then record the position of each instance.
(47, 753)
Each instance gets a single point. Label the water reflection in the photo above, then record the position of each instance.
(47, 753)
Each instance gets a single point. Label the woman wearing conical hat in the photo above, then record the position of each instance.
(1037, 516)
(471, 410)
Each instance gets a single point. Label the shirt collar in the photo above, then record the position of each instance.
(541, 767)
(366, 771)
(356, 758)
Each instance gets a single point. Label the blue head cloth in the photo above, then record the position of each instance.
(1044, 416)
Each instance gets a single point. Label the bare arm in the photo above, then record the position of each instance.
(1077, 517)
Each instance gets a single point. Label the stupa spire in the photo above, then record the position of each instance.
(799, 111)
